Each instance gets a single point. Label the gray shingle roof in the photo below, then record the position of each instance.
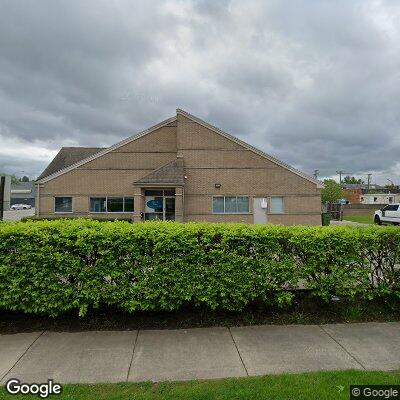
(171, 173)
(68, 156)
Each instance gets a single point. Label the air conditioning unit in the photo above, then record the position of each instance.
(264, 203)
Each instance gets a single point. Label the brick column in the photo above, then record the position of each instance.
(179, 217)
(138, 204)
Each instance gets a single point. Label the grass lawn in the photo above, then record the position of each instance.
(364, 219)
(307, 386)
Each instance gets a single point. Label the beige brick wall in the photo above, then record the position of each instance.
(209, 159)
(305, 219)
(194, 136)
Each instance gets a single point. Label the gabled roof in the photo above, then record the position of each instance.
(55, 174)
(169, 174)
(250, 147)
(68, 156)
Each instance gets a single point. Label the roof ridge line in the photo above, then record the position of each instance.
(249, 147)
(107, 150)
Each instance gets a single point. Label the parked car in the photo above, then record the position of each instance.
(20, 207)
(388, 214)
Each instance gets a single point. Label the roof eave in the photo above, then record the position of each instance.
(249, 147)
(106, 151)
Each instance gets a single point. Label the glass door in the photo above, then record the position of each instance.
(159, 205)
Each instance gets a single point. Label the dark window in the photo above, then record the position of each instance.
(115, 204)
(98, 204)
(391, 207)
(129, 204)
(63, 204)
(111, 204)
(153, 193)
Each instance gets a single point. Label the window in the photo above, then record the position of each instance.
(218, 204)
(159, 205)
(230, 205)
(111, 204)
(115, 204)
(391, 207)
(128, 204)
(98, 204)
(63, 204)
(276, 205)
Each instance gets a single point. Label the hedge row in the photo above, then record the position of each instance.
(49, 267)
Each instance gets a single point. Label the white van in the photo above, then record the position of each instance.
(388, 214)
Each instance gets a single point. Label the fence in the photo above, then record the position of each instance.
(335, 211)
(360, 209)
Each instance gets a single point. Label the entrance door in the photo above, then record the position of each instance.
(259, 210)
(159, 205)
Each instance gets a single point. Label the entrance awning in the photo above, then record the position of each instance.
(171, 174)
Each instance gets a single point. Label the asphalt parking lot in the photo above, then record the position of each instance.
(16, 215)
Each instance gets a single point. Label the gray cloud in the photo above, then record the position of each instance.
(315, 83)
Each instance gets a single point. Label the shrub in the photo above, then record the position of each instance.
(50, 267)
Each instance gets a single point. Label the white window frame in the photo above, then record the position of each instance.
(112, 212)
(283, 205)
(63, 212)
(230, 212)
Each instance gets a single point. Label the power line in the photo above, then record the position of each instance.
(340, 175)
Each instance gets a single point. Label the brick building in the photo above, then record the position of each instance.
(181, 169)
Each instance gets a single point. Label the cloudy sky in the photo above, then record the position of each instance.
(315, 83)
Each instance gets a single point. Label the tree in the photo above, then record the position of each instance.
(14, 179)
(352, 179)
(24, 179)
(332, 192)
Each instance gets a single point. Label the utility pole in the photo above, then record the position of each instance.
(368, 181)
(316, 173)
(2, 189)
(340, 175)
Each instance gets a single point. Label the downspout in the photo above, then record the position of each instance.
(37, 205)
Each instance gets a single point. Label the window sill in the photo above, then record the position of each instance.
(111, 212)
(244, 213)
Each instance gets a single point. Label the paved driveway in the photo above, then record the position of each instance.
(16, 215)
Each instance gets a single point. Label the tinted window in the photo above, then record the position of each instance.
(115, 204)
(97, 204)
(153, 193)
(128, 204)
(63, 204)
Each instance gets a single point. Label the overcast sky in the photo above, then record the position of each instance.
(314, 83)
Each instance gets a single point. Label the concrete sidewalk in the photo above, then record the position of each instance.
(91, 357)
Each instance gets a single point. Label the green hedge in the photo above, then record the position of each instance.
(49, 267)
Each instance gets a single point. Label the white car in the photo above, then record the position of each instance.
(20, 207)
(388, 214)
